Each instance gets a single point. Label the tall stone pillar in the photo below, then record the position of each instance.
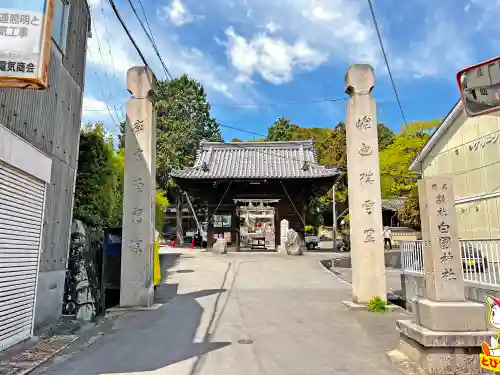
(365, 208)
(446, 333)
(136, 288)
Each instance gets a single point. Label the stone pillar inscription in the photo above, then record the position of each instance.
(136, 289)
(365, 210)
(442, 260)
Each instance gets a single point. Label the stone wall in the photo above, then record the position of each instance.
(82, 289)
(413, 287)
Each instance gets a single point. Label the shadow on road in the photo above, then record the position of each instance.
(150, 340)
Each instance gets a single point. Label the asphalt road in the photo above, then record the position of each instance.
(241, 314)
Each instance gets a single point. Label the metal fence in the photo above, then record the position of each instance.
(412, 257)
(480, 259)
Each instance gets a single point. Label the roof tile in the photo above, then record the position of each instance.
(256, 160)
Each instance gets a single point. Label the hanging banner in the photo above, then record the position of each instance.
(25, 42)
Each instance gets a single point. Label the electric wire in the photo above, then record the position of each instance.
(167, 72)
(116, 121)
(150, 38)
(372, 11)
(127, 31)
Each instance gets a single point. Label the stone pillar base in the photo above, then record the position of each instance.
(451, 316)
(440, 352)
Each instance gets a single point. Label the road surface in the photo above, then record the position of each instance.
(241, 314)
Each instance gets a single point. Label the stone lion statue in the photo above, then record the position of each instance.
(293, 243)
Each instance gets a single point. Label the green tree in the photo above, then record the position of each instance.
(184, 120)
(121, 135)
(116, 213)
(409, 215)
(236, 140)
(281, 130)
(161, 204)
(96, 177)
(396, 179)
(385, 136)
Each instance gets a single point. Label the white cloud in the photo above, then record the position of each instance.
(341, 32)
(272, 27)
(310, 32)
(177, 13)
(442, 51)
(273, 58)
(95, 3)
(216, 78)
(321, 14)
(92, 106)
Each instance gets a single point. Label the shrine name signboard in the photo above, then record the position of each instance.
(25, 42)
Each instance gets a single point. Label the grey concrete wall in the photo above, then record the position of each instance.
(50, 291)
(50, 120)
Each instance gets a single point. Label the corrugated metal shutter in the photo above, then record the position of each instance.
(21, 216)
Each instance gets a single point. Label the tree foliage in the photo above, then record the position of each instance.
(96, 179)
(395, 159)
(396, 179)
(115, 219)
(396, 153)
(99, 182)
(281, 130)
(409, 215)
(161, 204)
(184, 120)
(385, 136)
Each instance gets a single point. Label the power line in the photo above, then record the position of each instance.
(109, 48)
(100, 53)
(107, 35)
(150, 38)
(277, 104)
(153, 38)
(386, 60)
(243, 105)
(127, 31)
(102, 91)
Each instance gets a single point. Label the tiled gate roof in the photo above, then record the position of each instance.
(256, 160)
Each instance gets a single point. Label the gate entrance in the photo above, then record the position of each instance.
(249, 187)
(257, 225)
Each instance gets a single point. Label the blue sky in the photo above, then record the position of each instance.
(254, 57)
(30, 6)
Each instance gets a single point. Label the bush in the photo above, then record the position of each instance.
(409, 215)
(309, 230)
(377, 305)
(161, 206)
(97, 177)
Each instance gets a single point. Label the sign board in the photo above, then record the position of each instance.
(25, 42)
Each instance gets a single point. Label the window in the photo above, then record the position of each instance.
(483, 91)
(222, 221)
(60, 25)
(479, 72)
